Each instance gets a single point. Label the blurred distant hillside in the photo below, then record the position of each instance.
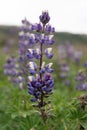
(8, 33)
(11, 33)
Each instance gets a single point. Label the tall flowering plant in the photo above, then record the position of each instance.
(16, 67)
(41, 82)
(35, 41)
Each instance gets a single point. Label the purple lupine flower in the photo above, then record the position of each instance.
(49, 29)
(30, 53)
(48, 68)
(41, 83)
(38, 27)
(32, 67)
(37, 53)
(49, 53)
(37, 87)
(47, 39)
(31, 39)
(43, 69)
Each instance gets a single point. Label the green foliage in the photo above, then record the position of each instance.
(17, 113)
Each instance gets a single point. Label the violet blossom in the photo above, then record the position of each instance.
(41, 83)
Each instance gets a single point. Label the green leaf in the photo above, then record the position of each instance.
(84, 124)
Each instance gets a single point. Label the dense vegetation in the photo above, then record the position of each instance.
(16, 114)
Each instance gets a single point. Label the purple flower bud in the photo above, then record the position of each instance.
(44, 18)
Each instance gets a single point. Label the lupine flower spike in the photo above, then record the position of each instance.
(41, 82)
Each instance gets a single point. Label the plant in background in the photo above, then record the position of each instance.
(77, 57)
(41, 82)
(64, 73)
(16, 67)
(25, 41)
(81, 80)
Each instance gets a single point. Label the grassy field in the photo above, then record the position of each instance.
(16, 111)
